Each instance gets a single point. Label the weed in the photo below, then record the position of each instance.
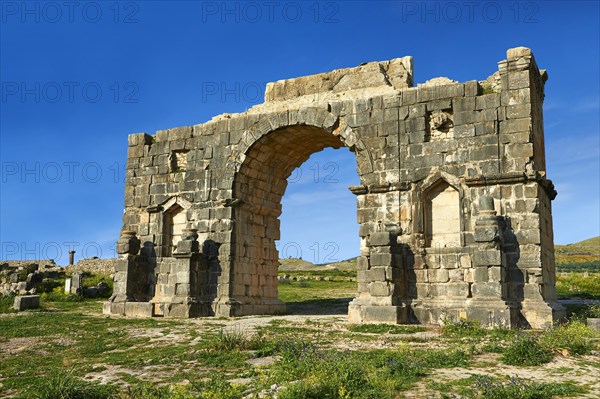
(49, 284)
(574, 338)
(486, 88)
(229, 340)
(64, 385)
(58, 295)
(486, 387)
(580, 312)
(462, 328)
(6, 304)
(526, 350)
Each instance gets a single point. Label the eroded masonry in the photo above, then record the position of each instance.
(454, 205)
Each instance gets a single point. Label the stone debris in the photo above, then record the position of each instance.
(454, 205)
(594, 323)
(24, 302)
(23, 277)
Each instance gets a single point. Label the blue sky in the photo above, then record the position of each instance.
(78, 77)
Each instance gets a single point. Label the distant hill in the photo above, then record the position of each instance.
(582, 251)
(586, 251)
(299, 265)
(345, 265)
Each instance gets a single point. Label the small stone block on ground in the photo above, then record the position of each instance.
(24, 302)
(594, 323)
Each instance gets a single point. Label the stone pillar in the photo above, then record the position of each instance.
(71, 258)
(522, 100)
(126, 298)
(77, 283)
(488, 291)
(382, 278)
(184, 276)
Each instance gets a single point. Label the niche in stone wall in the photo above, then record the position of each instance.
(440, 125)
(442, 216)
(174, 222)
(178, 161)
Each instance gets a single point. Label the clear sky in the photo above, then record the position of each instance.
(78, 77)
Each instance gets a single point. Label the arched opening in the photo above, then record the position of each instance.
(259, 186)
(442, 216)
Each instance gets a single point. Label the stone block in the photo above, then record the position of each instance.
(376, 274)
(466, 104)
(532, 292)
(439, 105)
(463, 118)
(430, 93)
(382, 238)
(489, 289)
(456, 275)
(480, 274)
(362, 263)
(379, 288)
(489, 257)
(439, 276)
(138, 309)
(380, 259)
(457, 289)
(515, 125)
(486, 234)
(485, 128)
(24, 302)
(463, 131)
(487, 101)
(385, 314)
(593, 323)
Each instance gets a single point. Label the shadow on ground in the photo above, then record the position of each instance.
(330, 306)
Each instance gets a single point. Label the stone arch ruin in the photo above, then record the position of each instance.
(453, 204)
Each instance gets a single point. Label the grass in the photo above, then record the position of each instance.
(385, 328)
(526, 350)
(580, 312)
(6, 304)
(582, 285)
(67, 341)
(299, 291)
(488, 387)
(64, 385)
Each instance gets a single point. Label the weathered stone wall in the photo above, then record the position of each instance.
(424, 257)
(94, 265)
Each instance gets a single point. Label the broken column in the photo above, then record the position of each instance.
(130, 288)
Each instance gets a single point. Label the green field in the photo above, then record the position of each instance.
(69, 350)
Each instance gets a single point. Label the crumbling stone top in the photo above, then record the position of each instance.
(396, 74)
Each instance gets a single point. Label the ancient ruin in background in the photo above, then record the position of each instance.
(453, 204)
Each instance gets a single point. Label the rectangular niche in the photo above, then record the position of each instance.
(443, 216)
(178, 160)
